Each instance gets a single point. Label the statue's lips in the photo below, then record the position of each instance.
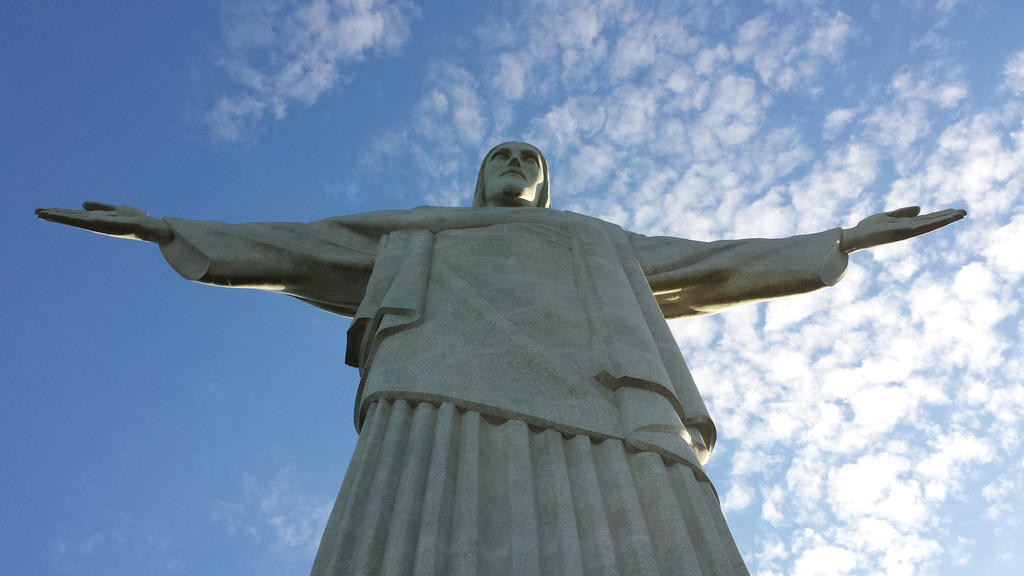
(515, 171)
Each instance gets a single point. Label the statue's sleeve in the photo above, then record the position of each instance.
(324, 263)
(690, 278)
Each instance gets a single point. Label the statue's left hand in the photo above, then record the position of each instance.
(894, 226)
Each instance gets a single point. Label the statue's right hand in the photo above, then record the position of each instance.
(118, 221)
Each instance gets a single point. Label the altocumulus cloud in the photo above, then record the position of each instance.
(854, 420)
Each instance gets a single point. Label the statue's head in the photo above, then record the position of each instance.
(513, 174)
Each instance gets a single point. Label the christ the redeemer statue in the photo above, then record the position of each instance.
(523, 407)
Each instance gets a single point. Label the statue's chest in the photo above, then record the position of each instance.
(519, 270)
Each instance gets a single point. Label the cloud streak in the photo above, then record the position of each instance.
(277, 512)
(280, 53)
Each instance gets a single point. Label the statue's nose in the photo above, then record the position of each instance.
(514, 161)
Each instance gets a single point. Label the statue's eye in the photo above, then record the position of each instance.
(533, 159)
(499, 154)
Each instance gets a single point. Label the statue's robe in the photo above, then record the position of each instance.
(523, 407)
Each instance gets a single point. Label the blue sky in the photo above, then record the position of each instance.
(149, 425)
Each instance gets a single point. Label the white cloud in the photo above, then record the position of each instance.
(630, 113)
(1013, 73)
(589, 167)
(711, 59)
(735, 110)
(280, 53)
(905, 121)
(841, 178)
(737, 498)
(771, 513)
(448, 125)
(829, 36)
(646, 39)
(511, 75)
(772, 551)
(86, 542)
(910, 87)
(825, 561)
(946, 5)
(688, 91)
(999, 494)
(860, 488)
(836, 120)
(794, 55)
(942, 469)
(566, 125)
(634, 50)
(233, 115)
(276, 510)
(1004, 250)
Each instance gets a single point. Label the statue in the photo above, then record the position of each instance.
(523, 407)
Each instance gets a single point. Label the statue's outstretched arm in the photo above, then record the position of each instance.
(324, 263)
(894, 226)
(690, 277)
(117, 221)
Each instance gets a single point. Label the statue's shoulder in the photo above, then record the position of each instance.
(585, 220)
(438, 218)
(421, 216)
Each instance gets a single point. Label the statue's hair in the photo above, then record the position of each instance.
(543, 198)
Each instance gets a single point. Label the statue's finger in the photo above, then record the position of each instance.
(936, 220)
(90, 205)
(59, 215)
(905, 212)
(47, 213)
(945, 216)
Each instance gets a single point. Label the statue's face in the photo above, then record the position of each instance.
(513, 175)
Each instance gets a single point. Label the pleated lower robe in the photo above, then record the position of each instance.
(439, 490)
